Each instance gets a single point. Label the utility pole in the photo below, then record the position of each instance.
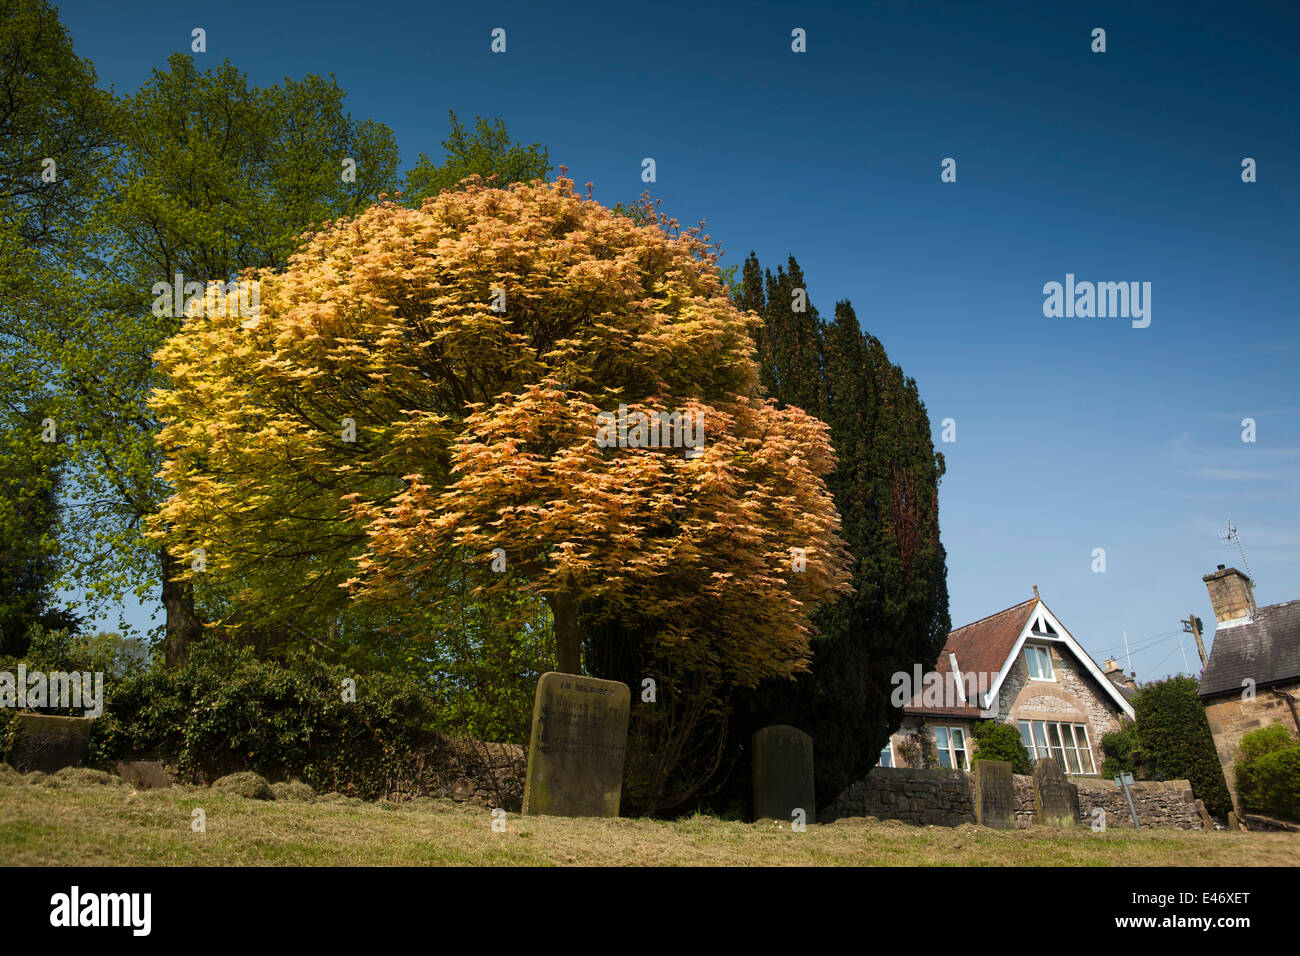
(1193, 626)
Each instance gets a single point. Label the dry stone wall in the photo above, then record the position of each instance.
(947, 798)
(921, 797)
(1165, 804)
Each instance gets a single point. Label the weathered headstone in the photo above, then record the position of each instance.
(1056, 800)
(1207, 823)
(995, 795)
(783, 774)
(575, 758)
(144, 774)
(49, 743)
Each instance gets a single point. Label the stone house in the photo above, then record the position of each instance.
(1253, 676)
(1022, 667)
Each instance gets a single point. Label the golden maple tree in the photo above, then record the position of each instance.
(424, 386)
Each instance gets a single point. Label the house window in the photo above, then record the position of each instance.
(1039, 660)
(887, 754)
(1067, 743)
(951, 744)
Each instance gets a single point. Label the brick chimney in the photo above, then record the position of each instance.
(1232, 596)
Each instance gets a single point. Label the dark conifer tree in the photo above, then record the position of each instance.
(886, 490)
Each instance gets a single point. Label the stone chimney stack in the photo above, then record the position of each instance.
(1115, 674)
(1232, 596)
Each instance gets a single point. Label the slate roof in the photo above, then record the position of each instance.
(1267, 650)
(981, 647)
(1128, 693)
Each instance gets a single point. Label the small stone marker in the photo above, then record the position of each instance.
(48, 743)
(995, 795)
(1207, 823)
(575, 758)
(783, 774)
(1056, 800)
(144, 774)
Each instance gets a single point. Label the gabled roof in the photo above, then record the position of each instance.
(991, 646)
(1266, 650)
(981, 647)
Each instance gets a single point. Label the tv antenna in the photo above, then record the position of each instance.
(1231, 537)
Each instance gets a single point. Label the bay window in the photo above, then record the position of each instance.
(1068, 744)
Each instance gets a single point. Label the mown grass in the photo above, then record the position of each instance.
(87, 824)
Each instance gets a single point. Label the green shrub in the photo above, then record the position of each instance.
(226, 711)
(1175, 740)
(1120, 750)
(1268, 772)
(995, 741)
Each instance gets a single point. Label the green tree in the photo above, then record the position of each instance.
(209, 178)
(1174, 736)
(29, 532)
(487, 152)
(54, 138)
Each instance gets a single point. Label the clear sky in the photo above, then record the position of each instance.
(1071, 433)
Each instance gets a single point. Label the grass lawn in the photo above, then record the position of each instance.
(79, 823)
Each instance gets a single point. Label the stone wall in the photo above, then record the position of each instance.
(1165, 804)
(941, 797)
(947, 798)
(472, 771)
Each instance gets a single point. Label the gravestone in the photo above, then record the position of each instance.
(144, 774)
(783, 774)
(1207, 823)
(575, 757)
(995, 795)
(1056, 800)
(49, 743)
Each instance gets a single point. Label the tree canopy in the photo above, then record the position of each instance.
(425, 386)
(486, 152)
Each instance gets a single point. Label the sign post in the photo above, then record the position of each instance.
(1125, 780)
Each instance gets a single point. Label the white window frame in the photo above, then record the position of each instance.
(893, 759)
(1047, 656)
(1078, 733)
(950, 750)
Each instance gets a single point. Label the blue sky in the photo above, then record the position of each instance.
(1072, 433)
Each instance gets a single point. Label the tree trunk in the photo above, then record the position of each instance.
(568, 643)
(183, 626)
